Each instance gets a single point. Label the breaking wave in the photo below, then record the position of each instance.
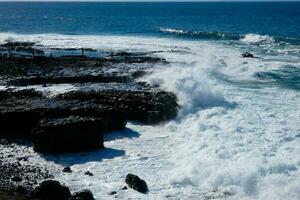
(202, 34)
(255, 38)
(217, 35)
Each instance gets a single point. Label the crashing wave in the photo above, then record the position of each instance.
(248, 38)
(255, 38)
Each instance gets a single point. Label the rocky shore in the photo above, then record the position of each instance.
(64, 103)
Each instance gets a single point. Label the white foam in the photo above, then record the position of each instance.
(170, 30)
(255, 38)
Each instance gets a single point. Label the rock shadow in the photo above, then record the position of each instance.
(126, 133)
(81, 158)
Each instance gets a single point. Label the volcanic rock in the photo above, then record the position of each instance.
(135, 183)
(72, 134)
(50, 190)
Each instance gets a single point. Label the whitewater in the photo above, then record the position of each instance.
(236, 136)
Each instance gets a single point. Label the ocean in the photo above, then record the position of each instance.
(237, 134)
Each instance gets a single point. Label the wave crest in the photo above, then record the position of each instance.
(255, 38)
(248, 38)
(202, 34)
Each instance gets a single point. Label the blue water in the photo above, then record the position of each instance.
(276, 19)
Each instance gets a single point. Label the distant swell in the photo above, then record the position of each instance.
(202, 34)
(215, 35)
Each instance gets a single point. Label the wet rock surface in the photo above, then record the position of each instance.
(135, 183)
(65, 103)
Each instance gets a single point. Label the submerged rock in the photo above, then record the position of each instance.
(135, 183)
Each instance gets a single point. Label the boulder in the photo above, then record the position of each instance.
(50, 190)
(135, 183)
(67, 169)
(72, 134)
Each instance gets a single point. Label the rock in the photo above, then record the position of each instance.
(16, 179)
(112, 193)
(72, 134)
(18, 123)
(151, 107)
(124, 188)
(88, 173)
(19, 177)
(247, 55)
(136, 183)
(74, 79)
(21, 190)
(83, 195)
(67, 170)
(50, 190)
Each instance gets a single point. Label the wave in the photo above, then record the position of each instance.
(255, 38)
(217, 35)
(202, 34)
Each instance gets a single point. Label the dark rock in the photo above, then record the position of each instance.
(72, 134)
(149, 107)
(124, 188)
(136, 183)
(74, 79)
(88, 173)
(18, 123)
(25, 47)
(4, 195)
(24, 158)
(67, 170)
(16, 179)
(83, 195)
(21, 190)
(51, 190)
(248, 55)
